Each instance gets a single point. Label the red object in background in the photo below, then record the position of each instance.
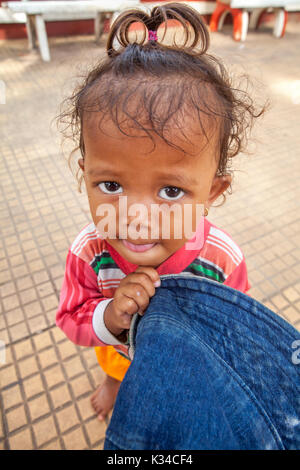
(237, 16)
(55, 28)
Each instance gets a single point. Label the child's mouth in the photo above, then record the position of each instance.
(137, 248)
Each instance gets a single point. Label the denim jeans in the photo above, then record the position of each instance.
(212, 369)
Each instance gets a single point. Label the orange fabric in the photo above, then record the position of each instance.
(112, 362)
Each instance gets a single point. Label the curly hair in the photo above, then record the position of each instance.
(134, 79)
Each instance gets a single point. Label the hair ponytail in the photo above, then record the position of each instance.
(196, 36)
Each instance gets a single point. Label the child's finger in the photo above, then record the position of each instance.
(143, 280)
(125, 304)
(141, 296)
(138, 294)
(151, 272)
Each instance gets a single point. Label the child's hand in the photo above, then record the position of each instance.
(132, 296)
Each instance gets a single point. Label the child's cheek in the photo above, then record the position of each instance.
(186, 221)
(106, 222)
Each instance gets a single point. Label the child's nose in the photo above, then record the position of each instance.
(138, 214)
(141, 224)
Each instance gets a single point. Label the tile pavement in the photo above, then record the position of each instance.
(45, 380)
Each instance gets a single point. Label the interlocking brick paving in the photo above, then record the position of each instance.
(46, 381)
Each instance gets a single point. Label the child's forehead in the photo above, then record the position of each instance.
(174, 104)
(110, 148)
(184, 135)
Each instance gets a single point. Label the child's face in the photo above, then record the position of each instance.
(118, 165)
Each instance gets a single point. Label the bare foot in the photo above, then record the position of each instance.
(103, 399)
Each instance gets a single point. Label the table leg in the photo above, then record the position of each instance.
(42, 37)
(30, 32)
(245, 24)
(96, 26)
(255, 17)
(99, 24)
(280, 22)
(240, 20)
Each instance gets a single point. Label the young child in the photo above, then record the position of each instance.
(158, 124)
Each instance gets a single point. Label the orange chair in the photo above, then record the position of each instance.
(241, 17)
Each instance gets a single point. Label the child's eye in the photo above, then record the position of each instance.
(171, 193)
(110, 187)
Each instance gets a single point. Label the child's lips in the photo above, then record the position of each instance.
(137, 248)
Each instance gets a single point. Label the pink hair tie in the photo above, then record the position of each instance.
(152, 36)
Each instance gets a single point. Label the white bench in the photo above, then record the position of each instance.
(9, 17)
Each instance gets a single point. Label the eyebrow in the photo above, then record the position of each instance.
(176, 177)
(180, 178)
(94, 172)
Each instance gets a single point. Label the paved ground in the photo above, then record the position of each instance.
(46, 381)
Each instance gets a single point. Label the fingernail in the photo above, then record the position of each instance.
(157, 283)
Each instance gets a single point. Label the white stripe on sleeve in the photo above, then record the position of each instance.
(99, 326)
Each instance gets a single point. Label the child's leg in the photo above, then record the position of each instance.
(115, 366)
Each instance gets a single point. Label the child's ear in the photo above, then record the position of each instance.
(218, 187)
(81, 163)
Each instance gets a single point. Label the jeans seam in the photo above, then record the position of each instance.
(237, 293)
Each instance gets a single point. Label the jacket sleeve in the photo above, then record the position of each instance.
(79, 298)
(238, 279)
